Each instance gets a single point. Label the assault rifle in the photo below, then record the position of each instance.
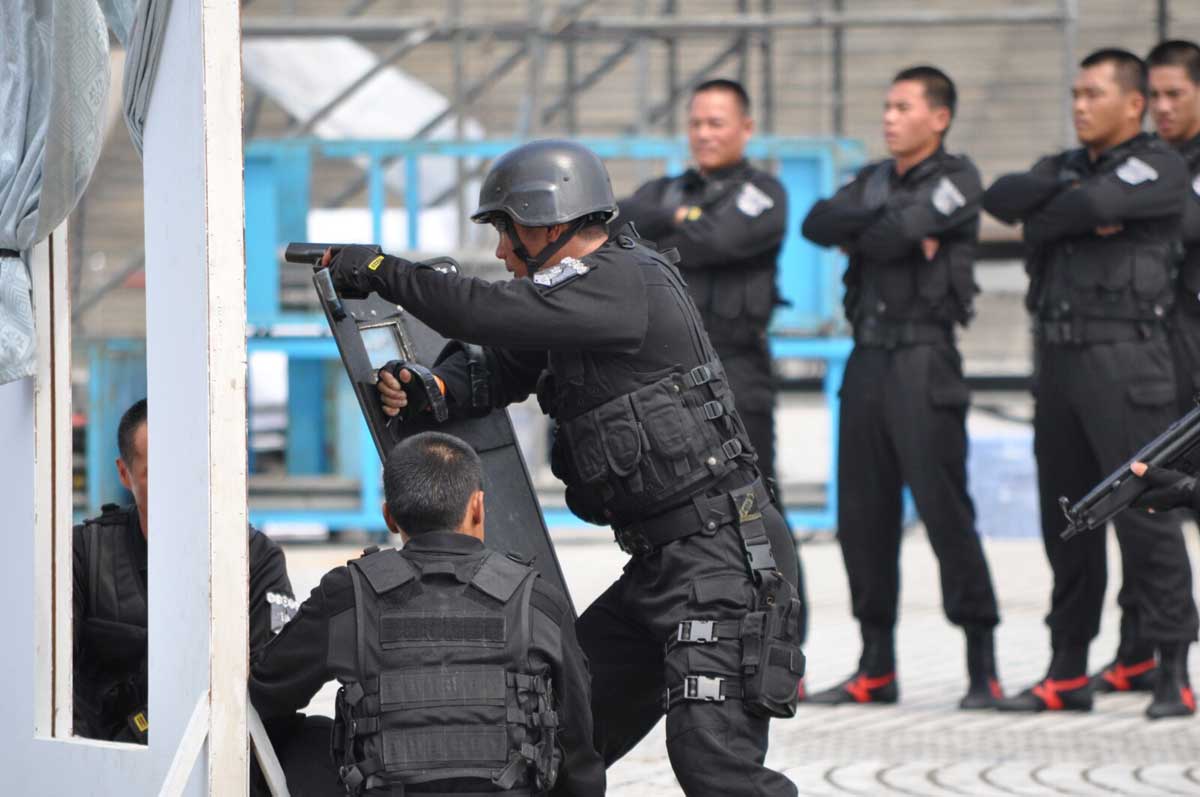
(1178, 448)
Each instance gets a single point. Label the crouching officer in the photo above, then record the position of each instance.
(459, 668)
(110, 675)
(701, 625)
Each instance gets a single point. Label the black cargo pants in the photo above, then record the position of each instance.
(903, 421)
(714, 747)
(1095, 405)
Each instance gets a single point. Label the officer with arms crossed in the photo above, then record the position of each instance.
(701, 624)
(728, 221)
(1101, 224)
(909, 225)
(110, 600)
(1175, 107)
(459, 668)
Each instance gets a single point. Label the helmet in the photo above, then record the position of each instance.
(547, 182)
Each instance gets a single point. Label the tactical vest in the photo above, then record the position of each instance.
(112, 677)
(445, 688)
(635, 436)
(907, 287)
(735, 303)
(1128, 276)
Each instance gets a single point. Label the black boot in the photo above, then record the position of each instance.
(1172, 693)
(1066, 686)
(984, 690)
(1133, 669)
(875, 680)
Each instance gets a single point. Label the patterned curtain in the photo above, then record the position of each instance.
(55, 80)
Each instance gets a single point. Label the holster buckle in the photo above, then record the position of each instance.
(703, 687)
(733, 448)
(697, 631)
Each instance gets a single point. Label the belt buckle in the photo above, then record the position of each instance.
(703, 687)
(697, 631)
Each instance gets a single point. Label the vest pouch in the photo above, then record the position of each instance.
(728, 297)
(772, 660)
(586, 445)
(658, 407)
(760, 294)
(1151, 272)
(895, 285)
(1116, 273)
(621, 437)
(933, 279)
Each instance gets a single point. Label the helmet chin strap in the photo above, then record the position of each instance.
(533, 263)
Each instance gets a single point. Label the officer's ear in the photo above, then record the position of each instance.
(473, 522)
(554, 232)
(123, 475)
(389, 520)
(941, 120)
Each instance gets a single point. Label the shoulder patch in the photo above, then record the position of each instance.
(1196, 185)
(947, 198)
(283, 609)
(1136, 171)
(753, 201)
(565, 270)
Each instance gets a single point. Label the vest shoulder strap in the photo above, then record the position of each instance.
(499, 577)
(385, 570)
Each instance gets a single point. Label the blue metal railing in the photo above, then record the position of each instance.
(278, 177)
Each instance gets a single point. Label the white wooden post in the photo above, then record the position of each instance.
(195, 329)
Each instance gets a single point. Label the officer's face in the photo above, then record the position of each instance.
(134, 474)
(1105, 114)
(909, 123)
(1174, 103)
(717, 129)
(534, 239)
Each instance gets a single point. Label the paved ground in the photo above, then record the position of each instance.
(922, 746)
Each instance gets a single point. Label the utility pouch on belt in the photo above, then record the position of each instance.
(422, 391)
(772, 661)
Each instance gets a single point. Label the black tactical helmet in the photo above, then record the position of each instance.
(547, 182)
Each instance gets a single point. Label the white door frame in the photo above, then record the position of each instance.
(196, 358)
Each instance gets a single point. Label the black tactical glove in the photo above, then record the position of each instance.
(358, 270)
(1169, 489)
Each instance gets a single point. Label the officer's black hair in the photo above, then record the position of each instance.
(133, 418)
(1130, 71)
(1177, 52)
(725, 84)
(939, 88)
(428, 480)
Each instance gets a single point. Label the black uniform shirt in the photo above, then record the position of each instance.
(881, 218)
(728, 243)
(1138, 186)
(320, 644)
(1069, 195)
(1189, 270)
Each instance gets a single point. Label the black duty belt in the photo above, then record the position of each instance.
(1078, 331)
(10, 253)
(702, 514)
(890, 335)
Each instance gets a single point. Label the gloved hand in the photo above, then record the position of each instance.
(407, 389)
(1169, 489)
(357, 270)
